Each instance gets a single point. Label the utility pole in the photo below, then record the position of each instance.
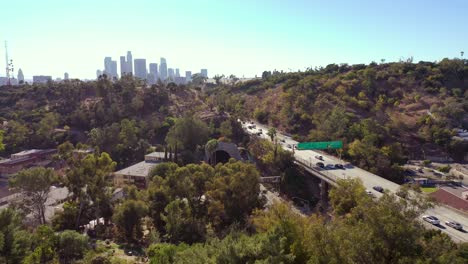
(9, 64)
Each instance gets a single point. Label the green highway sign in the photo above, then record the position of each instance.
(320, 145)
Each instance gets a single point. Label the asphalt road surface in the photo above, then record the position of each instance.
(368, 179)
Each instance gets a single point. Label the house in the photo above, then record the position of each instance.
(25, 159)
(137, 174)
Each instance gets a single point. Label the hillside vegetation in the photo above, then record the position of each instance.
(385, 113)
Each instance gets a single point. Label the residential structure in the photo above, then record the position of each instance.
(138, 174)
(25, 159)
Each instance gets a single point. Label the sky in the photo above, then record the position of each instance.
(241, 37)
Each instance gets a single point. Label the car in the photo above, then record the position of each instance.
(339, 166)
(251, 122)
(289, 146)
(320, 164)
(282, 140)
(330, 166)
(259, 133)
(454, 225)
(370, 193)
(319, 157)
(431, 219)
(378, 188)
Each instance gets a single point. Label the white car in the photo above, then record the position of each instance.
(431, 219)
(454, 224)
(369, 192)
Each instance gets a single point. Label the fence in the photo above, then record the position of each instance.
(317, 170)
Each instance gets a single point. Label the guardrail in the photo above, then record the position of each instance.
(316, 170)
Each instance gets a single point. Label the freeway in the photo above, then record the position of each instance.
(308, 159)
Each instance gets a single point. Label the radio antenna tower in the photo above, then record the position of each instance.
(9, 65)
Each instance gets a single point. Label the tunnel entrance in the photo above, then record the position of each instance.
(219, 156)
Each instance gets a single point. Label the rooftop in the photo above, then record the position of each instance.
(140, 169)
(156, 155)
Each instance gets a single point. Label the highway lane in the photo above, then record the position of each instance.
(368, 179)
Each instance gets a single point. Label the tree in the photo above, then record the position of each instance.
(211, 147)
(347, 196)
(233, 193)
(127, 217)
(45, 244)
(14, 243)
(218, 78)
(34, 185)
(86, 180)
(2, 146)
(187, 132)
(272, 133)
(225, 129)
(178, 221)
(72, 246)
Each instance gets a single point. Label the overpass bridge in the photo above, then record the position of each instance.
(306, 159)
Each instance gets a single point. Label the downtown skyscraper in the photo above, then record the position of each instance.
(140, 69)
(163, 69)
(129, 62)
(153, 73)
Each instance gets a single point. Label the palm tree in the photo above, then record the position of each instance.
(272, 133)
(211, 147)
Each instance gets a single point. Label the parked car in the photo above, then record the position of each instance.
(289, 146)
(369, 192)
(454, 224)
(330, 166)
(319, 157)
(378, 188)
(260, 130)
(431, 219)
(339, 166)
(320, 164)
(282, 140)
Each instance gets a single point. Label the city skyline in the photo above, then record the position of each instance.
(271, 34)
(145, 69)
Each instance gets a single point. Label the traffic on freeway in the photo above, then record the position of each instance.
(335, 168)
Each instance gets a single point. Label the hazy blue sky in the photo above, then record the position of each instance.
(243, 37)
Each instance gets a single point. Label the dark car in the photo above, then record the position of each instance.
(378, 188)
(320, 164)
(339, 166)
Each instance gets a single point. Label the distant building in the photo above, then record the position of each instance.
(41, 78)
(188, 76)
(177, 72)
(153, 71)
(129, 62)
(98, 73)
(66, 76)
(140, 68)
(114, 69)
(108, 66)
(170, 74)
(204, 73)
(20, 76)
(163, 69)
(138, 174)
(25, 159)
(123, 66)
